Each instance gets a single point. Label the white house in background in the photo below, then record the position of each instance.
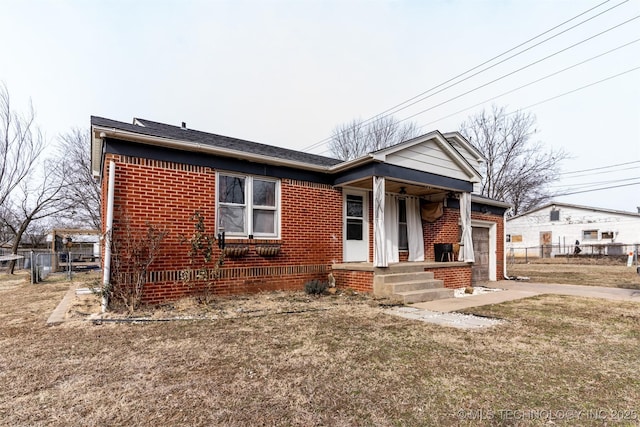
(554, 229)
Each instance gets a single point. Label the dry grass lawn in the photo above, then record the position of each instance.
(294, 360)
(618, 276)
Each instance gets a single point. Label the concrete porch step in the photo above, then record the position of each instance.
(413, 285)
(403, 277)
(423, 295)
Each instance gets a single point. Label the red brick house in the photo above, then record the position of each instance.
(389, 222)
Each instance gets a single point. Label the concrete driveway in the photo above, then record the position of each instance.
(516, 290)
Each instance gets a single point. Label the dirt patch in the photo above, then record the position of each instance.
(87, 306)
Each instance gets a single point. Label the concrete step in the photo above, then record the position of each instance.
(403, 277)
(409, 297)
(414, 285)
(405, 267)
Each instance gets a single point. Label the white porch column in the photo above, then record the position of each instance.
(380, 258)
(466, 241)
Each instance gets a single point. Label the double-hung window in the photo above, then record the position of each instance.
(248, 206)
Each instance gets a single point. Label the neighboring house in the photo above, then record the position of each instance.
(295, 216)
(555, 228)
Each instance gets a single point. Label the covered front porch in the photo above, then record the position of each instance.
(407, 220)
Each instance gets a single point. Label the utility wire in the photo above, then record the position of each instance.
(600, 173)
(488, 61)
(513, 56)
(592, 184)
(518, 70)
(528, 84)
(575, 90)
(541, 102)
(602, 167)
(595, 189)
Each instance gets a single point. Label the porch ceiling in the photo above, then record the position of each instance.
(392, 186)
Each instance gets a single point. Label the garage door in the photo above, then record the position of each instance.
(480, 268)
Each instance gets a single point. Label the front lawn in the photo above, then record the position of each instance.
(617, 276)
(342, 362)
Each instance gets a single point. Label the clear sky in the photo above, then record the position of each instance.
(287, 72)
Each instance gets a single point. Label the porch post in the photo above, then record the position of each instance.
(466, 241)
(379, 240)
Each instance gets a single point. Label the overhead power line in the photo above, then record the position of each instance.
(519, 69)
(530, 83)
(577, 89)
(601, 172)
(602, 167)
(395, 108)
(422, 98)
(537, 103)
(595, 189)
(319, 143)
(593, 184)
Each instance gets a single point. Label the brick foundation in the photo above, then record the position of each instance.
(361, 281)
(453, 277)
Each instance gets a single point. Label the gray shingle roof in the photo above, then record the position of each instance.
(151, 128)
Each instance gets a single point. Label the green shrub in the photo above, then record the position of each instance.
(315, 287)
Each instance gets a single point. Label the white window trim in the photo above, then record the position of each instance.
(249, 207)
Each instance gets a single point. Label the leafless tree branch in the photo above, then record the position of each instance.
(518, 169)
(355, 139)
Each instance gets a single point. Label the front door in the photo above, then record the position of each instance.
(481, 248)
(356, 226)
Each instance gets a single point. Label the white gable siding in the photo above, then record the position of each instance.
(473, 160)
(428, 157)
(469, 156)
(571, 226)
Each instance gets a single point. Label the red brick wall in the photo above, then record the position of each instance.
(361, 281)
(166, 194)
(453, 277)
(445, 230)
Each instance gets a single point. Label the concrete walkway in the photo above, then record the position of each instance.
(442, 312)
(60, 313)
(514, 290)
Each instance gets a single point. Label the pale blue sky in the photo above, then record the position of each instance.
(286, 72)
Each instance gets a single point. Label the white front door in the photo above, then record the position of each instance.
(356, 226)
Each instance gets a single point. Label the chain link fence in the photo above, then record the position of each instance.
(43, 262)
(605, 254)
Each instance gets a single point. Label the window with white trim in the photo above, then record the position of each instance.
(589, 234)
(247, 206)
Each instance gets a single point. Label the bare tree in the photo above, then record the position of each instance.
(30, 189)
(518, 169)
(21, 145)
(134, 251)
(81, 188)
(357, 138)
(38, 197)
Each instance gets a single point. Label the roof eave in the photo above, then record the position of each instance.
(106, 132)
(484, 200)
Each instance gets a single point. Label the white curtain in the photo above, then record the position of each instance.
(466, 242)
(391, 228)
(415, 237)
(380, 258)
